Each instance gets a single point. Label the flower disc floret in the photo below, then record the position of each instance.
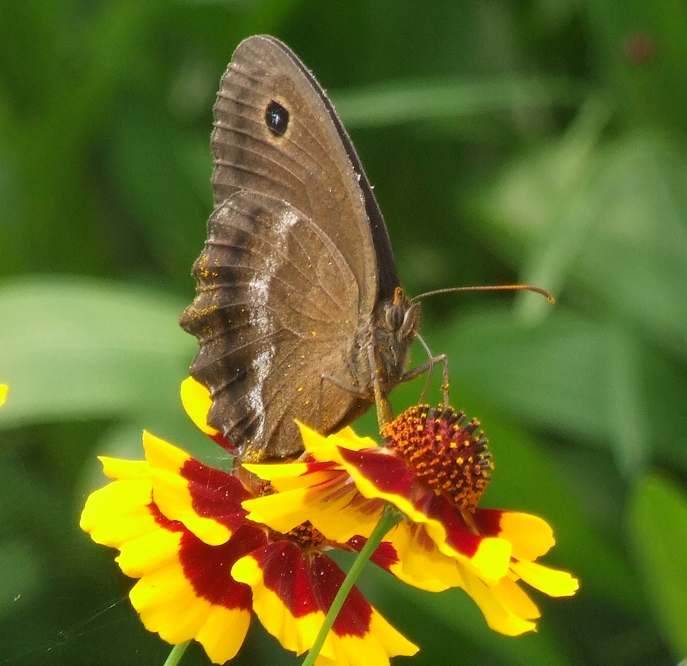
(443, 451)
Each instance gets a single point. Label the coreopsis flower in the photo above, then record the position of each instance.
(434, 467)
(204, 569)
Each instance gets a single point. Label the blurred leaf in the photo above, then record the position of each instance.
(20, 574)
(548, 374)
(590, 380)
(405, 101)
(152, 175)
(619, 227)
(75, 348)
(48, 149)
(657, 526)
(642, 51)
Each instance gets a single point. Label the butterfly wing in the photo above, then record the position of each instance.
(292, 262)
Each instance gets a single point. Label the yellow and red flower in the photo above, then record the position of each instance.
(204, 569)
(433, 468)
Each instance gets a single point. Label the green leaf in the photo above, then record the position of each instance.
(404, 101)
(643, 48)
(657, 526)
(78, 348)
(612, 219)
(162, 199)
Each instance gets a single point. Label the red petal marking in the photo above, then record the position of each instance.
(385, 555)
(387, 472)
(354, 618)
(321, 466)
(220, 439)
(285, 573)
(163, 521)
(458, 536)
(307, 586)
(208, 568)
(489, 521)
(390, 475)
(215, 494)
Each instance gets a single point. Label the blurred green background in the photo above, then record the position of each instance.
(508, 140)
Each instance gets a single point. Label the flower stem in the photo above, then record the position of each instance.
(389, 518)
(176, 654)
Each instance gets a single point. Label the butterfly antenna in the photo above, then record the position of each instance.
(501, 287)
(430, 368)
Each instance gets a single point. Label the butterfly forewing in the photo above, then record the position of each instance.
(306, 166)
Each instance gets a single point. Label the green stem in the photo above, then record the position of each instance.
(386, 522)
(176, 654)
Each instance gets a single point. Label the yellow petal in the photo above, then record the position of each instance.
(553, 582)
(493, 603)
(373, 649)
(118, 512)
(197, 402)
(421, 564)
(223, 633)
(515, 598)
(298, 633)
(275, 471)
(115, 468)
(492, 557)
(332, 505)
(531, 536)
(324, 448)
(3, 393)
(169, 606)
(168, 602)
(393, 642)
(281, 511)
(153, 551)
(171, 492)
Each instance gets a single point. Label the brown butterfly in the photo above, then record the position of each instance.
(299, 312)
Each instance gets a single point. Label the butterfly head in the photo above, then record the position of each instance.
(401, 315)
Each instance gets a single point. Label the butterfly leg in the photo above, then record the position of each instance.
(343, 385)
(384, 412)
(428, 367)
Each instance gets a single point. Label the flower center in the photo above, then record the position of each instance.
(306, 536)
(443, 451)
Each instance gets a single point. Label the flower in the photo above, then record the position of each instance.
(3, 393)
(433, 468)
(204, 569)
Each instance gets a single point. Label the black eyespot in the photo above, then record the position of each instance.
(276, 118)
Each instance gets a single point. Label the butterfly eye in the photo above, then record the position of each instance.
(395, 315)
(276, 118)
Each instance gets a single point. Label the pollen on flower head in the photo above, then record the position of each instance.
(306, 536)
(444, 452)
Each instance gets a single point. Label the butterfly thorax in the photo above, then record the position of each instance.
(382, 345)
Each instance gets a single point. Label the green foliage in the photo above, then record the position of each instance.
(541, 142)
(657, 523)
